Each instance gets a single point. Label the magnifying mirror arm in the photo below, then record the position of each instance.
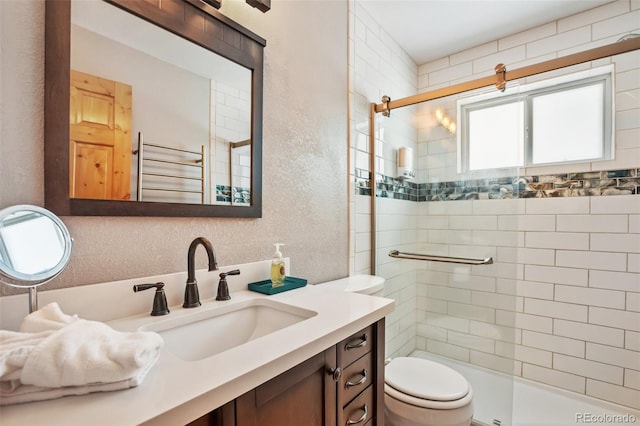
(33, 295)
(33, 299)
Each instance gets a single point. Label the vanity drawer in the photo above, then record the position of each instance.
(361, 410)
(356, 377)
(355, 346)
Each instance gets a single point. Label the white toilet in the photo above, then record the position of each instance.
(419, 392)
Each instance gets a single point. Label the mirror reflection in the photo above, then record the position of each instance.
(34, 245)
(154, 117)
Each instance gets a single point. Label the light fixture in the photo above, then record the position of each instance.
(445, 121)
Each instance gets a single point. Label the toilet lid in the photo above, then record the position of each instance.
(421, 378)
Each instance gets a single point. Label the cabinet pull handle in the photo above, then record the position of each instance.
(362, 418)
(336, 373)
(359, 382)
(360, 344)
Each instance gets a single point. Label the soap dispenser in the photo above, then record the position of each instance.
(277, 268)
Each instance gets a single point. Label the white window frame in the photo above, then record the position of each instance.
(526, 93)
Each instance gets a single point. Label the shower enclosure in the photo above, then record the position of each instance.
(462, 250)
(448, 252)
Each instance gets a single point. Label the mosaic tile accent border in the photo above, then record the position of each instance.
(587, 184)
(225, 194)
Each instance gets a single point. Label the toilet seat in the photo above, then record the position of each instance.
(427, 384)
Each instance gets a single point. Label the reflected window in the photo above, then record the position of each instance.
(31, 243)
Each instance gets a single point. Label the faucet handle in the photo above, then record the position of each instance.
(223, 288)
(159, 299)
(234, 272)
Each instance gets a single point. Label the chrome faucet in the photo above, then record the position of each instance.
(191, 294)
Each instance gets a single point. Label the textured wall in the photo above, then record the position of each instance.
(305, 154)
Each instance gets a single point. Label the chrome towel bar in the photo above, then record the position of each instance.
(448, 259)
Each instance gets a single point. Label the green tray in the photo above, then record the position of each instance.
(289, 284)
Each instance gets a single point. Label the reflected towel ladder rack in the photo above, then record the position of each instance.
(198, 163)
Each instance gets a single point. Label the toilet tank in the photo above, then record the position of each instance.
(364, 284)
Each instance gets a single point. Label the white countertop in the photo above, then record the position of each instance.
(177, 391)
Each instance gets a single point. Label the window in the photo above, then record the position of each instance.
(566, 119)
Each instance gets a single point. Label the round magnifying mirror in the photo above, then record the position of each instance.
(34, 246)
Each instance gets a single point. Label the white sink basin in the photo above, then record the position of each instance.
(201, 333)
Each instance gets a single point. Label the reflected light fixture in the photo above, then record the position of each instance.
(445, 121)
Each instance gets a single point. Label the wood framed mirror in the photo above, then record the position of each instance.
(206, 30)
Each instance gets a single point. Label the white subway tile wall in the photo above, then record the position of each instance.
(230, 119)
(379, 67)
(561, 303)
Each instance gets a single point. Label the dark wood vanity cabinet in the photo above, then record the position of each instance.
(342, 385)
(300, 396)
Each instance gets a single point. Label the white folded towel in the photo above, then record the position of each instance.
(55, 355)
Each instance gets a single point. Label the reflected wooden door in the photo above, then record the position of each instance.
(100, 138)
